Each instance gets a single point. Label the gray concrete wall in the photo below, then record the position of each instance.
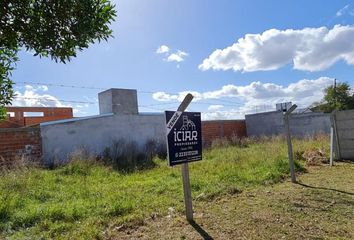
(309, 124)
(301, 124)
(61, 138)
(344, 125)
(264, 124)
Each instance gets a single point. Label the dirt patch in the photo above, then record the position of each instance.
(320, 206)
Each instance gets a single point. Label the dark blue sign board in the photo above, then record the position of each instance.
(184, 137)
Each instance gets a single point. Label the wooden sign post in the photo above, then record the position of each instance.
(184, 144)
(185, 169)
(290, 147)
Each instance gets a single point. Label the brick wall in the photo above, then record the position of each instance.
(49, 114)
(222, 129)
(19, 142)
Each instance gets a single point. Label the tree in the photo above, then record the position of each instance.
(336, 98)
(49, 28)
(7, 59)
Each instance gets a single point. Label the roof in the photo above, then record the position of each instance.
(93, 117)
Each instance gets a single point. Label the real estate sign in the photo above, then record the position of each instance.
(184, 137)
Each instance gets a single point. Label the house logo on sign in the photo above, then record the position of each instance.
(187, 131)
(187, 124)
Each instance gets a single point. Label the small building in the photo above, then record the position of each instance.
(28, 116)
(119, 120)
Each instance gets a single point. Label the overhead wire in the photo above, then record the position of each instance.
(101, 88)
(149, 106)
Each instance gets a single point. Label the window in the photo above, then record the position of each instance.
(33, 114)
(11, 114)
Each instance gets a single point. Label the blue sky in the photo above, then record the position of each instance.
(297, 47)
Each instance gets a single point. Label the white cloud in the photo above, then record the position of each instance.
(178, 56)
(163, 97)
(233, 114)
(310, 49)
(34, 96)
(163, 49)
(215, 107)
(342, 10)
(31, 98)
(256, 96)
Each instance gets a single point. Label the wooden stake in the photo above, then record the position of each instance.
(187, 192)
(185, 169)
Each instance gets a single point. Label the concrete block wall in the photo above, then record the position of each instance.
(309, 124)
(344, 127)
(301, 124)
(217, 129)
(19, 142)
(266, 124)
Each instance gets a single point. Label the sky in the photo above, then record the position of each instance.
(236, 57)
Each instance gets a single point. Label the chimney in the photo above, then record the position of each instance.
(118, 101)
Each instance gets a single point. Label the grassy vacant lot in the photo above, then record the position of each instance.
(321, 206)
(85, 199)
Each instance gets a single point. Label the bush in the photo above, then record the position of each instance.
(234, 141)
(19, 162)
(126, 156)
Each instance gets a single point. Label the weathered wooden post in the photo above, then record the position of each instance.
(185, 168)
(290, 147)
(183, 135)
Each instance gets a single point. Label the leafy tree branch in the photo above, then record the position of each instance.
(50, 28)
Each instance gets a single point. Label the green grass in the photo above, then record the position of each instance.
(82, 199)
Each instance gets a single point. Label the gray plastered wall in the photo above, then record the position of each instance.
(94, 134)
(301, 124)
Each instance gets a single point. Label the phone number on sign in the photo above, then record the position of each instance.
(186, 154)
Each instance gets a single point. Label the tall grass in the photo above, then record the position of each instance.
(82, 199)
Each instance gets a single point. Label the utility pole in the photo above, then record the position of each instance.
(335, 93)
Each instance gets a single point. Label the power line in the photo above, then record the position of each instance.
(151, 106)
(60, 85)
(101, 88)
(74, 86)
(84, 102)
(55, 100)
